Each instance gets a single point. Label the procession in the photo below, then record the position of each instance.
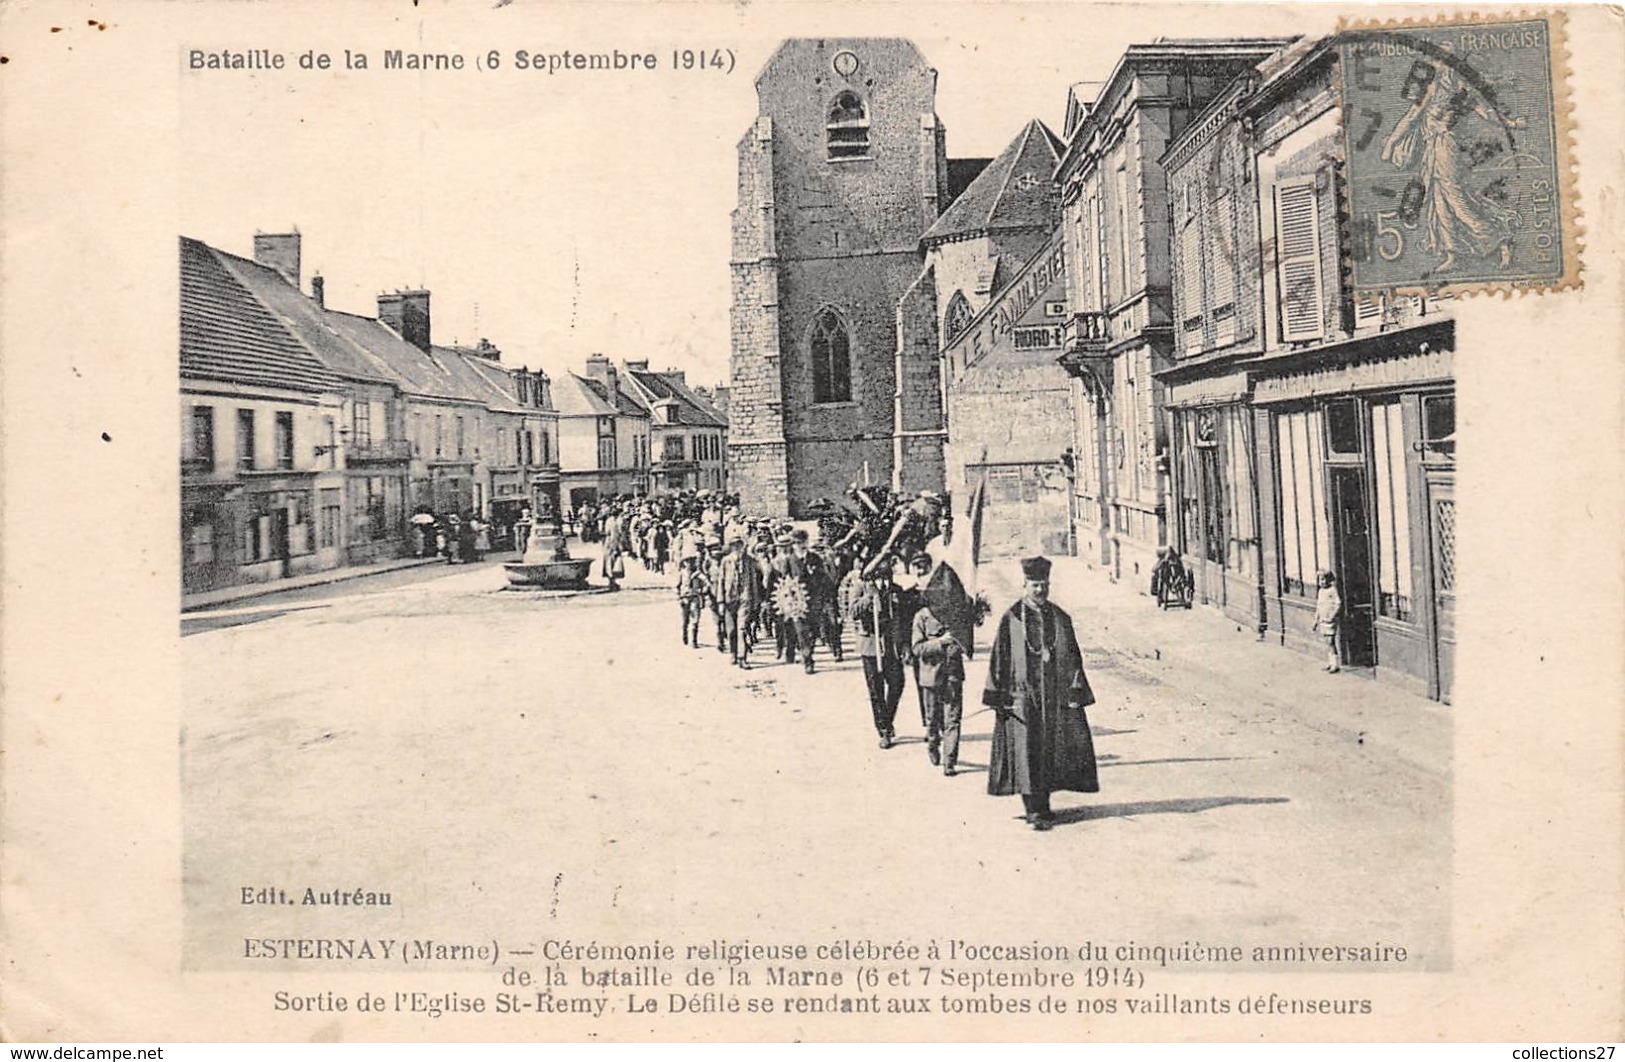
(878, 569)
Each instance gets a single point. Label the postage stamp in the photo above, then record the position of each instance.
(1457, 141)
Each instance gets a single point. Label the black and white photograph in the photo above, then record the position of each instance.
(813, 522)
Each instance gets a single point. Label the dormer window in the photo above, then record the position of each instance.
(848, 127)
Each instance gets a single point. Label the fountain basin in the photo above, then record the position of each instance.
(565, 574)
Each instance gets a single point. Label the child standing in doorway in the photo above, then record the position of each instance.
(1328, 606)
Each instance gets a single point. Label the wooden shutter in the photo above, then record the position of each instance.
(1190, 285)
(1297, 250)
(1223, 250)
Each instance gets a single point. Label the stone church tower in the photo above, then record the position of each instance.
(841, 173)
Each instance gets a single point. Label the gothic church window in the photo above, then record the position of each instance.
(957, 318)
(831, 350)
(848, 127)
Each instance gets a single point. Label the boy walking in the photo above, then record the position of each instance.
(940, 672)
(693, 590)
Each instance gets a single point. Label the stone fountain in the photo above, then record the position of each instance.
(547, 564)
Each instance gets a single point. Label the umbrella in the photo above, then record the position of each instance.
(423, 518)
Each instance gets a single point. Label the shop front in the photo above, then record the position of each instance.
(1215, 526)
(279, 529)
(1359, 463)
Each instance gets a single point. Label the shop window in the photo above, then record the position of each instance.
(331, 515)
(1439, 419)
(1391, 494)
(1239, 479)
(831, 350)
(1305, 543)
(848, 127)
(299, 523)
(200, 538)
(1343, 427)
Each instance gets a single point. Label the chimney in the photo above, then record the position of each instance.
(679, 375)
(318, 290)
(407, 313)
(602, 370)
(279, 251)
(641, 365)
(487, 350)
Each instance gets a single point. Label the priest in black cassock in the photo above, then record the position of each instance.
(1037, 688)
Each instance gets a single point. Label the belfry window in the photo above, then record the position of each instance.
(848, 127)
(831, 350)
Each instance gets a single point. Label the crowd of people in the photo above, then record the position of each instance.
(754, 589)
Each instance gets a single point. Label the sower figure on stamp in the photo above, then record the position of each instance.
(1038, 691)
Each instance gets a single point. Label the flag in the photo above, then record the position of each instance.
(945, 596)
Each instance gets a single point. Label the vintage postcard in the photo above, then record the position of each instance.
(931, 522)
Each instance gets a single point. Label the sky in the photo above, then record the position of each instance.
(569, 214)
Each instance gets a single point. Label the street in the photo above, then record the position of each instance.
(512, 767)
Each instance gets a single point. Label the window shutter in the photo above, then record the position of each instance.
(1190, 284)
(1297, 243)
(1367, 311)
(1222, 247)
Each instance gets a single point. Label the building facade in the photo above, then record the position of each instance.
(1009, 405)
(1313, 424)
(688, 436)
(604, 436)
(255, 405)
(1115, 221)
(988, 234)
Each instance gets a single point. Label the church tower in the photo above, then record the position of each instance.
(842, 171)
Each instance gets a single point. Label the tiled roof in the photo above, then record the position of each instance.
(308, 322)
(419, 373)
(1014, 191)
(692, 409)
(475, 374)
(226, 334)
(578, 397)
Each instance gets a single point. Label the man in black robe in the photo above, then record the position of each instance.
(1037, 688)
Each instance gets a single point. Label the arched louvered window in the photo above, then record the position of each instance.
(831, 350)
(957, 319)
(848, 127)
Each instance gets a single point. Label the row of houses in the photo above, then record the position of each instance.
(1230, 395)
(1139, 334)
(314, 438)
